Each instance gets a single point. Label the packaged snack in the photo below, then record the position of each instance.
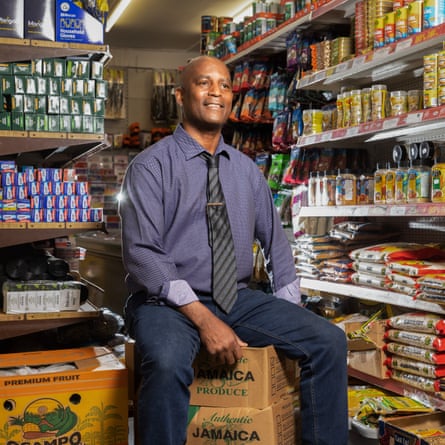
(418, 322)
(422, 340)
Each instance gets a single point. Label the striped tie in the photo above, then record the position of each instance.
(220, 240)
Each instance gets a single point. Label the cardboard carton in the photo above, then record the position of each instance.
(273, 425)
(257, 380)
(62, 397)
(374, 335)
(74, 24)
(11, 18)
(371, 362)
(40, 20)
(422, 429)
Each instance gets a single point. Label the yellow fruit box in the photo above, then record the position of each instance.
(257, 380)
(273, 425)
(71, 396)
(421, 429)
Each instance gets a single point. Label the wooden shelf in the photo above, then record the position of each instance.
(12, 234)
(13, 325)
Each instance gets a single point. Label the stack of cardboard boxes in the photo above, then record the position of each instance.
(249, 402)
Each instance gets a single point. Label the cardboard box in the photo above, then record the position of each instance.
(407, 430)
(375, 335)
(273, 425)
(40, 20)
(371, 362)
(74, 24)
(12, 18)
(85, 398)
(256, 381)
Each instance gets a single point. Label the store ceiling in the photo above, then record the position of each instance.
(170, 25)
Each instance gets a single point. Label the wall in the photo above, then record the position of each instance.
(139, 66)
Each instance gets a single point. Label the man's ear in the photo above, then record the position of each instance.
(178, 95)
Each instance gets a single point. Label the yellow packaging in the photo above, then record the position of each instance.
(390, 27)
(258, 379)
(402, 23)
(313, 121)
(273, 425)
(85, 401)
(356, 107)
(438, 183)
(379, 32)
(415, 17)
(378, 101)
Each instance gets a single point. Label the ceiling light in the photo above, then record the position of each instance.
(242, 11)
(116, 13)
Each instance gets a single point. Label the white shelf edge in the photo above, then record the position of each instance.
(367, 293)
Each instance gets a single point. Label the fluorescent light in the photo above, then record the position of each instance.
(116, 13)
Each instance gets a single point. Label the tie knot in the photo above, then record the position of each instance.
(212, 161)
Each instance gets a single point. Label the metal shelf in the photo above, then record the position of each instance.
(367, 293)
(397, 60)
(396, 210)
(430, 399)
(420, 125)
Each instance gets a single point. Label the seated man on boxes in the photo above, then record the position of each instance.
(173, 311)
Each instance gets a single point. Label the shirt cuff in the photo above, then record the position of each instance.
(178, 293)
(291, 292)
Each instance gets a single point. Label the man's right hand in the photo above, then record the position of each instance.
(218, 338)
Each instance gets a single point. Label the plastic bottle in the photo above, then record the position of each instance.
(311, 189)
(379, 186)
(419, 183)
(401, 183)
(346, 188)
(329, 185)
(365, 189)
(390, 182)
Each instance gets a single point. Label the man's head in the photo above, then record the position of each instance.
(205, 94)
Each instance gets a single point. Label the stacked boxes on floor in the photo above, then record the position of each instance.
(70, 396)
(245, 403)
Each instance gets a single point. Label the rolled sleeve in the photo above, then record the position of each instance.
(178, 293)
(291, 292)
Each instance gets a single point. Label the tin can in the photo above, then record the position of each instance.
(390, 27)
(209, 23)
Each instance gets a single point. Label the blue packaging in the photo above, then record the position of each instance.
(73, 24)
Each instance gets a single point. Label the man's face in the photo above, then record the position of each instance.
(206, 94)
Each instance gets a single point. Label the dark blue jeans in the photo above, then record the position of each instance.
(168, 343)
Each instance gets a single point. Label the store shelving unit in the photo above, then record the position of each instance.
(399, 62)
(50, 149)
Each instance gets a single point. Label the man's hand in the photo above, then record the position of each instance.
(217, 337)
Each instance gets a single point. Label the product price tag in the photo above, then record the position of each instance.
(352, 131)
(326, 136)
(358, 63)
(397, 210)
(381, 53)
(414, 118)
(404, 44)
(390, 123)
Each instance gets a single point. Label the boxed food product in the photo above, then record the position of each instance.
(63, 396)
(421, 429)
(257, 380)
(273, 425)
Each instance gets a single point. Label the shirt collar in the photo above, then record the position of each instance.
(191, 148)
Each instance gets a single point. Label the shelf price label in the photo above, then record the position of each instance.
(397, 210)
(390, 123)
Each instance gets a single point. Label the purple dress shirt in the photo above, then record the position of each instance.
(165, 245)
